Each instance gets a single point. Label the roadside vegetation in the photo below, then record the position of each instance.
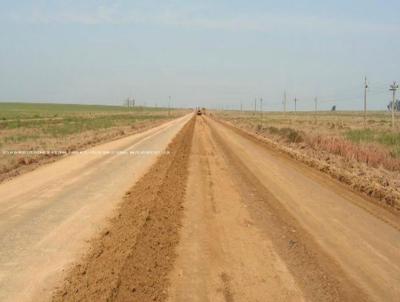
(62, 127)
(386, 138)
(365, 156)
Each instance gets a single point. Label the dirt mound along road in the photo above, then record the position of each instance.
(131, 258)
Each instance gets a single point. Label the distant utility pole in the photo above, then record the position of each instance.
(284, 101)
(316, 107)
(241, 107)
(261, 107)
(365, 101)
(169, 105)
(130, 102)
(393, 88)
(295, 104)
(255, 106)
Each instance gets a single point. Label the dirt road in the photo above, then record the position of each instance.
(47, 215)
(225, 218)
(262, 227)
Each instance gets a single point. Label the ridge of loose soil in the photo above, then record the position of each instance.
(131, 258)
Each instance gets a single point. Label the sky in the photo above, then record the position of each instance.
(201, 53)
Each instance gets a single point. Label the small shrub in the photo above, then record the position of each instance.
(273, 130)
(289, 134)
(294, 136)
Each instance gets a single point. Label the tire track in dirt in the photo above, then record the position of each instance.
(320, 277)
(131, 258)
(227, 288)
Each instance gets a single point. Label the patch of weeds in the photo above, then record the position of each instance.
(291, 135)
(389, 139)
(274, 130)
(358, 136)
(19, 138)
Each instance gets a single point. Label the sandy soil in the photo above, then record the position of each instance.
(226, 218)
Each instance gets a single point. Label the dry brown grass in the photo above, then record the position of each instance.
(373, 155)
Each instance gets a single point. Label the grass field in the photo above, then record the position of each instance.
(345, 125)
(30, 127)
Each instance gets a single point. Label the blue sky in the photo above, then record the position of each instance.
(208, 53)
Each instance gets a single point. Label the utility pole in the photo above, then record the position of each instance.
(261, 107)
(169, 105)
(241, 107)
(284, 102)
(393, 88)
(255, 106)
(365, 101)
(316, 107)
(295, 104)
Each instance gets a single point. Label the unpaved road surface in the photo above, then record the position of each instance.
(261, 227)
(222, 218)
(46, 215)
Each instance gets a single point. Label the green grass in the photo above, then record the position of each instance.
(72, 125)
(390, 139)
(29, 115)
(20, 122)
(15, 111)
(19, 138)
